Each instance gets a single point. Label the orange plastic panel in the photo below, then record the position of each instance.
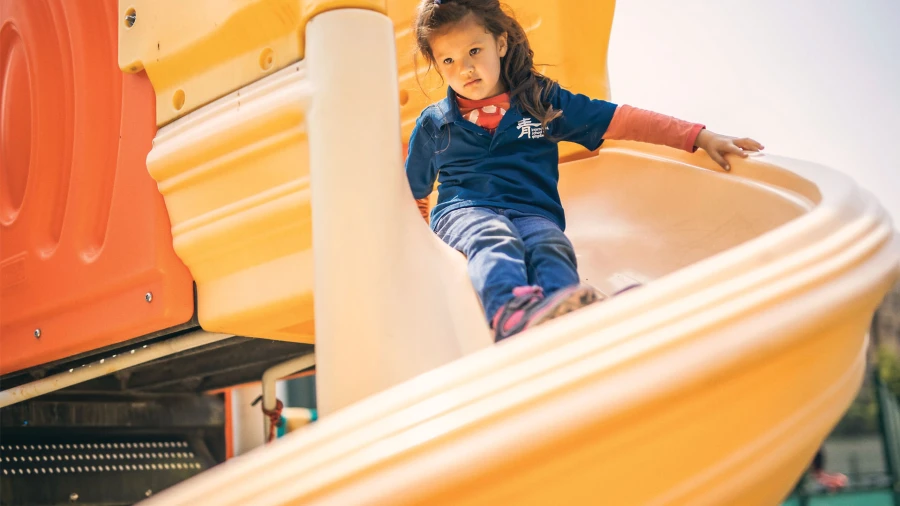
(85, 234)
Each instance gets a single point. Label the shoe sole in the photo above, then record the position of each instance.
(564, 303)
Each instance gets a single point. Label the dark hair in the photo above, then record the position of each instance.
(529, 88)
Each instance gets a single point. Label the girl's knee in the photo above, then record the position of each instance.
(555, 246)
(555, 239)
(497, 242)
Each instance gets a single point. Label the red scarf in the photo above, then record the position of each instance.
(485, 113)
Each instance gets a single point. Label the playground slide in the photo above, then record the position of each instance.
(713, 383)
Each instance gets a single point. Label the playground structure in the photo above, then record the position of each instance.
(272, 135)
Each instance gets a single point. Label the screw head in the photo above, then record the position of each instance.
(73, 497)
(148, 493)
(37, 333)
(130, 17)
(148, 297)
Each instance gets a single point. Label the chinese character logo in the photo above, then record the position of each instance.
(527, 128)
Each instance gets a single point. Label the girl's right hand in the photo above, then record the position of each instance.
(423, 205)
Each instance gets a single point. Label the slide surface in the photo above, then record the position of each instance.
(713, 384)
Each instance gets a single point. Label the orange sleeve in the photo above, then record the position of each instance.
(633, 124)
(423, 208)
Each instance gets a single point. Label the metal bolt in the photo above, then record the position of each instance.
(148, 297)
(37, 333)
(73, 497)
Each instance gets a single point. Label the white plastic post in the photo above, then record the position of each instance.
(391, 300)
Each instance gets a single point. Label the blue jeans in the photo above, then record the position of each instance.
(507, 249)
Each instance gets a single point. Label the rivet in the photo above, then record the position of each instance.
(73, 497)
(37, 333)
(148, 297)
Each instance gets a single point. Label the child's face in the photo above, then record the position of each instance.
(468, 56)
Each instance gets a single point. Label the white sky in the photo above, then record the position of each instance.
(812, 79)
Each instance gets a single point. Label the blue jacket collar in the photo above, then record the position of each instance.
(449, 108)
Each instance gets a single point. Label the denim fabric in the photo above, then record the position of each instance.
(507, 249)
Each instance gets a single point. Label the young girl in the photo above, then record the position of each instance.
(492, 146)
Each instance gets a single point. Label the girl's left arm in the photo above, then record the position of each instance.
(589, 122)
(633, 124)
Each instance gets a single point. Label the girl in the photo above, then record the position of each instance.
(492, 146)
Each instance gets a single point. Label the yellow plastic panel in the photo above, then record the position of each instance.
(570, 39)
(199, 50)
(235, 177)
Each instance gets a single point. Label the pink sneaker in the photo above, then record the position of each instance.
(513, 316)
(564, 301)
(530, 308)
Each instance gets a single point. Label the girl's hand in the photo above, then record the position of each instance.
(720, 145)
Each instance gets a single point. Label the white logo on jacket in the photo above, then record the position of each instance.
(528, 128)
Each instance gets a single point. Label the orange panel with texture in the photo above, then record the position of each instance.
(85, 234)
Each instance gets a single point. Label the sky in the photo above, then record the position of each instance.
(817, 80)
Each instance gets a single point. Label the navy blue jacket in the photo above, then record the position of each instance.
(516, 168)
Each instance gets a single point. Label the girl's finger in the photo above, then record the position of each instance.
(719, 159)
(735, 149)
(749, 144)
